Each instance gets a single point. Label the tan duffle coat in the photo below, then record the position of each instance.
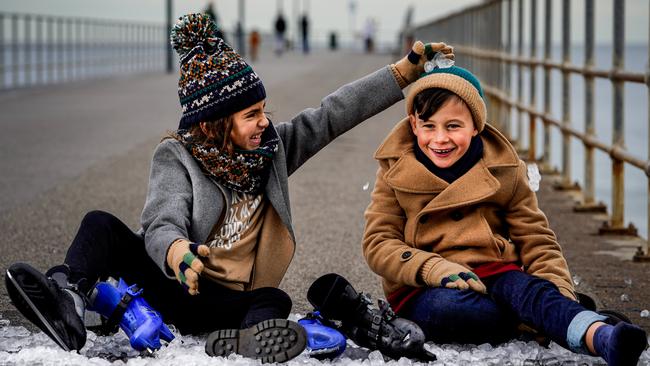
(488, 215)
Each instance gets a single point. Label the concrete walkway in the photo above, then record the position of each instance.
(69, 149)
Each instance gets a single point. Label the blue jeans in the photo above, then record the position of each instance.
(455, 316)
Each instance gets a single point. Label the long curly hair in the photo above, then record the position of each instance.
(216, 134)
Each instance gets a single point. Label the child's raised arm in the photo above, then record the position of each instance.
(351, 104)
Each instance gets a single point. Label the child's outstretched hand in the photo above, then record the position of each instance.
(412, 65)
(181, 258)
(452, 275)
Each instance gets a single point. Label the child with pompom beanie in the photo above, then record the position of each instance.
(216, 236)
(454, 230)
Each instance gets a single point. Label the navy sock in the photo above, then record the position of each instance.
(621, 344)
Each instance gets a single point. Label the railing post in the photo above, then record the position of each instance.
(643, 254)
(548, 41)
(589, 194)
(49, 50)
(60, 50)
(647, 172)
(69, 63)
(618, 134)
(79, 48)
(38, 40)
(15, 52)
(27, 50)
(532, 123)
(168, 15)
(617, 222)
(498, 65)
(3, 65)
(565, 182)
(508, 72)
(70, 52)
(520, 73)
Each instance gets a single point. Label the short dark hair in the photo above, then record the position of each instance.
(429, 101)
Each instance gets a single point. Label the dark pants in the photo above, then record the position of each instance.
(454, 316)
(104, 247)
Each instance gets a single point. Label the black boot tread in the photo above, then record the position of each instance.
(274, 340)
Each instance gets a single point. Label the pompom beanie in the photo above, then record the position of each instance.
(215, 81)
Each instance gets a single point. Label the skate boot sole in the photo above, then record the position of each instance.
(275, 340)
(30, 311)
(27, 291)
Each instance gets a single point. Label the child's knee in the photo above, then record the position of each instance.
(98, 219)
(279, 299)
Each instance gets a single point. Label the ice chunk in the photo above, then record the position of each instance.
(628, 282)
(645, 313)
(625, 297)
(366, 186)
(576, 280)
(533, 177)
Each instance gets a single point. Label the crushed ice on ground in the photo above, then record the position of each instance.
(645, 313)
(576, 280)
(628, 282)
(19, 346)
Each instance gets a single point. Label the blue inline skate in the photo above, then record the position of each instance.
(323, 341)
(122, 304)
(57, 306)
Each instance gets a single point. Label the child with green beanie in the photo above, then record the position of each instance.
(216, 236)
(455, 232)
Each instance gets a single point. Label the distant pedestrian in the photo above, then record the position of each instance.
(210, 11)
(369, 30)
(454, 230)
(304, 29)
(216, 234)
(280, 29)
(333, 43)
(254, 40)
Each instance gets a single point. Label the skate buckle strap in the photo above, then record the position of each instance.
(385, 310)
(130, 293)
(374, 329)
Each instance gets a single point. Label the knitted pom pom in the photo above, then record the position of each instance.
(190, 31)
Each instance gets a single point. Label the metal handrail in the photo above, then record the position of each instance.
(490, 51)
(44, 49)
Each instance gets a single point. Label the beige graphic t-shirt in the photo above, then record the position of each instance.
(232, 246)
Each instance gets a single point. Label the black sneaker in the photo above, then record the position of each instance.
(43, 302)
(274, 340)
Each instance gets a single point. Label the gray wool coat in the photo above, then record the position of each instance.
(182, 202)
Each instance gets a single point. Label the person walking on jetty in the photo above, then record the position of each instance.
(455, 232)
(254, 40)
(280, 30)
(216, 236)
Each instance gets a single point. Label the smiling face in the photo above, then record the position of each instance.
(248, 125)
(445, 136)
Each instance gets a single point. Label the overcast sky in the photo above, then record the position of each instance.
(329, 15)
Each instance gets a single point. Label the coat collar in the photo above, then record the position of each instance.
(409, 175)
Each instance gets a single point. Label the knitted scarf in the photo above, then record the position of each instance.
(244, 171)
(473, 154)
